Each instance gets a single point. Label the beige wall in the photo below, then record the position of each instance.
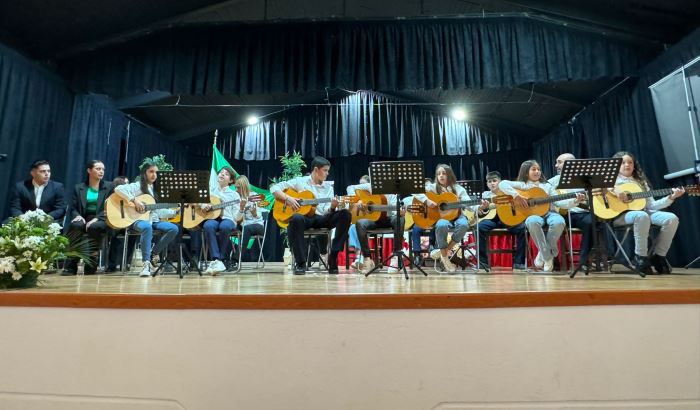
(613, 357)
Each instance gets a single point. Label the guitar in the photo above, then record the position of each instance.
(121, 213)
(375, 207)
(449, 207)
(471, 216)
(194, 214)
(537, 199)
(307, 205)
(608, 206)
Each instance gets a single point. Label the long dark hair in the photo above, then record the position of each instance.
(451, 178)
(144, 181)
(638, 172)
(90, 165)
(524, 173)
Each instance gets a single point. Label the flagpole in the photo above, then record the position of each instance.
(216, 134)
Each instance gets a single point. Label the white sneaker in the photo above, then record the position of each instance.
(449, 266)
(146, 270)
(216, 267)
(436, 254)
(357, 263)
(539, 261)
(367, 265)
(548, 265)
(394, 265)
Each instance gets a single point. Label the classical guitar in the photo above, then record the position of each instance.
(448, 207)
(374, 206)
(609, 206)
(195, 215)
(121, 213)
(471, 216)
(537, 199)
(307, 205)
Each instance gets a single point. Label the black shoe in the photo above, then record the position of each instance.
(660, 264)
(418, 260)
(333, 263)
(300, 269)
(642, 265)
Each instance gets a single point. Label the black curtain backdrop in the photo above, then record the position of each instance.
(624, 119)
(364, 123)
(391, 55)
(348, 170)
(35, 114)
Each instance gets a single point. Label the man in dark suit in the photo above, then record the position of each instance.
(39, 192)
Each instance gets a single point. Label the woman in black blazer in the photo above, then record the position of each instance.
(87, 212)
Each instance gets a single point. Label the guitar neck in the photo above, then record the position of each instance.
(651, 193)
(225, 204)
(315, 201)
(382, 208)
(552, 198)
(153, 207)
(460, 204)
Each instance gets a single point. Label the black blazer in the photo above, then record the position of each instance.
(53, 202)
(79, 201)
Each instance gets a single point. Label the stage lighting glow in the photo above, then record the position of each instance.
(252, 120)
(459, 114)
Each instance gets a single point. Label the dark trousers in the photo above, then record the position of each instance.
(340, 220)
(487, 225)
(363, 225)
(248, 231)
(584, 222)
(94, 234)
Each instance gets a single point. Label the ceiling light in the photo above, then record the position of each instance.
(459, 114)
(252, 120)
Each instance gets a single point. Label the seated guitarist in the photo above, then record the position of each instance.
(326, 216)
(149, 174)
(217, 232)
(249, 216)
(446, 181)
(530, 176)
(631, 171)
(485, 226)
(363, 225)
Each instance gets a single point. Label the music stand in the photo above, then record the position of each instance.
(400, 178)
(588, 174)
(182, 187)
(475, 189)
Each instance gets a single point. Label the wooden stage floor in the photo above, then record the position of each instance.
(272, 288)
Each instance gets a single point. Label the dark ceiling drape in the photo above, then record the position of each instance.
(365, 123)
(35, 113)
(406, 55)
(624, 119)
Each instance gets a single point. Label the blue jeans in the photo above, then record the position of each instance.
(641, 222)
(416, 232)
(487, 225)
(353, 240)
(547, 245)
(460, 225)
(217, 235)
(145, 229)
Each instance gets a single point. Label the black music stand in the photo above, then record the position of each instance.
(588, 174)
(475, 189)
(182, 187)
(399, 178)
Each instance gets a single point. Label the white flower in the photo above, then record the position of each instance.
(38, 265)
(54, 229)
(16, 275)
(7, 264)
(28, 254)
(32, 242)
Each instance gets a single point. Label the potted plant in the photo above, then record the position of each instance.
(292, 166)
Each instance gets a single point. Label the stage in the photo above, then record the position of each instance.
(273, 288)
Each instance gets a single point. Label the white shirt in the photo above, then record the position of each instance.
(305, 183)
(570, 203)
(38, 191)
(390, 198)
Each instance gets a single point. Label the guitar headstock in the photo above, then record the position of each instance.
(693, 190)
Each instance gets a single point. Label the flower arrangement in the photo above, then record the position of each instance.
(29, 244)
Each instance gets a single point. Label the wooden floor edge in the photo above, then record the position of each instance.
(364, 301)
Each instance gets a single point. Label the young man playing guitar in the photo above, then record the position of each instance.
(487, 225)
(388, 220)
(326, 214)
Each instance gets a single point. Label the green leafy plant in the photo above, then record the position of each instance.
(160, 162)
(292, 166)
(30, 244)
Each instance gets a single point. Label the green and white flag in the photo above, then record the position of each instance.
(218, 161)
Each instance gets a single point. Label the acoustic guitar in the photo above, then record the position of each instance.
(194, 215)
(537, 199)
(307, 205)
(121, 213)
(471, 216)
(374, 206)
(608, 206)
(448, 207)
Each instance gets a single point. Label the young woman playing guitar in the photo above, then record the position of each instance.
(217, 232)
(530, 176)
(630, 171)
(249, 217)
